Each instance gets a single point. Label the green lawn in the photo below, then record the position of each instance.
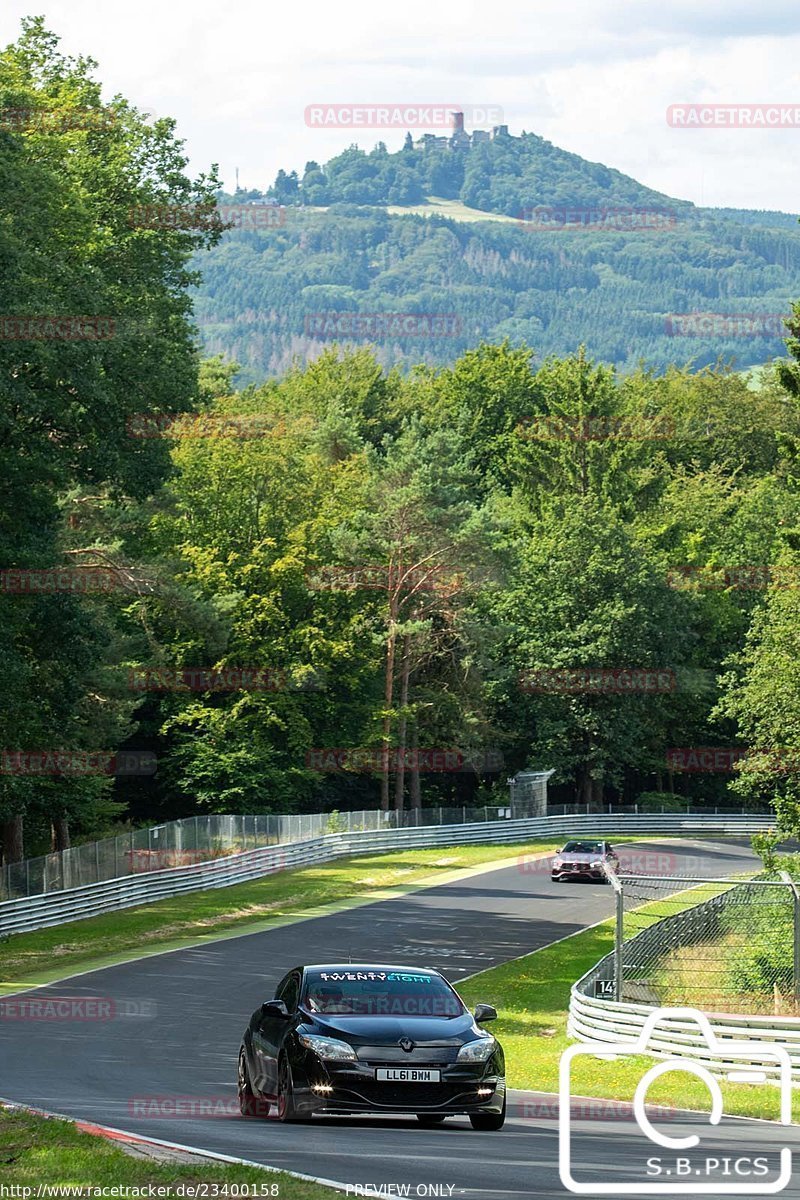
(437, 205)
(51, 954)
(37, 1150)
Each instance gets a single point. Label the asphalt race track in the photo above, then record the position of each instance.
(177, 1018)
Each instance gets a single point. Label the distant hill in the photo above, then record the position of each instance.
(510, 237)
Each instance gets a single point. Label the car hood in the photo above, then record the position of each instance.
(580, 856)
(387, 1031)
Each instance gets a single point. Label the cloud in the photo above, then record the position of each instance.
(593, 78)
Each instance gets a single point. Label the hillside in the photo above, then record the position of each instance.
(477, 236)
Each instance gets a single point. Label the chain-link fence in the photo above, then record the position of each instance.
(726, 945)
(201, 839)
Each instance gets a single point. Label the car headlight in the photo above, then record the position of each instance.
(556, 862)
(597, 864)
(477, 1051)
(330, 1048)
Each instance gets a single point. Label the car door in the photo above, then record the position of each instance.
(269, 1033)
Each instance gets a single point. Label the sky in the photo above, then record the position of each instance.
(594, 78)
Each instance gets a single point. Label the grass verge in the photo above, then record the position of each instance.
(39, 1150)
(532, 996)
(50, 954)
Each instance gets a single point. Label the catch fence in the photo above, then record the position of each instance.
(728, 947)
(203, 839)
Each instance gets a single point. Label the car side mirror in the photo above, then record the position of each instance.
(273, 1008)
(485, 1012)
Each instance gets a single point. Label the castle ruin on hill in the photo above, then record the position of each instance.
(459, 139)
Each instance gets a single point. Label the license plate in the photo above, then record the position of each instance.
(408, 1074)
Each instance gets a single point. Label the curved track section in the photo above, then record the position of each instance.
(160, 1060)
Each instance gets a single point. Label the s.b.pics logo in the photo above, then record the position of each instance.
(702, 1153)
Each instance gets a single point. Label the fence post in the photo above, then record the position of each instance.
(787, 879)
(619, 907)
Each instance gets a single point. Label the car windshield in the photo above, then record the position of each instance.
(362, 993)
(583, 848)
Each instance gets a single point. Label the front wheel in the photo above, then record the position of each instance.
(250, 1105)
(428, 1120)
(489, 1122)
(285, 1109)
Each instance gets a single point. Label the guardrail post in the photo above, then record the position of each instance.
(787, 879)
(619, 911)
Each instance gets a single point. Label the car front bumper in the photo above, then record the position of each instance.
(579, 873)
(352, 1088)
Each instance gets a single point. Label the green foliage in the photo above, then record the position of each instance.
(764, 845)
(660, 802)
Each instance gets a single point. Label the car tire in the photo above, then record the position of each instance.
(250, 1105)
(428, 1120)
(284, 1103)
(489, 1122)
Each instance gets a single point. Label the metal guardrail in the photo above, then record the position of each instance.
(616, 1021)
(201, 838)
(56, 908)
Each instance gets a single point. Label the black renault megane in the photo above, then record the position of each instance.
(358, 1038)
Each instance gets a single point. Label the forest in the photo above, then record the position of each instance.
(266, 292)
(353, 584)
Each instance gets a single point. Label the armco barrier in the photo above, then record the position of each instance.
(56, 908)
(612, 1022)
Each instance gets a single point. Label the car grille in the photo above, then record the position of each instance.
(429, 1056)
(406, 1095)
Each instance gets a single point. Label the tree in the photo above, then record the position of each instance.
(73, 248)
(584, 598)
(424, 534)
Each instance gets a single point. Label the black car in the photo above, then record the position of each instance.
(359, 1038)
